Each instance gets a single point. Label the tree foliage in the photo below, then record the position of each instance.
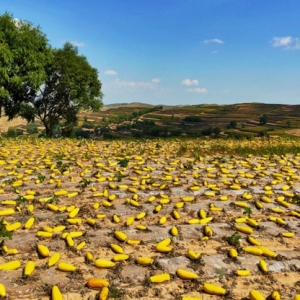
(24, 52)
(263, 119)
(71, 85)
(52, 85)
(232, 124)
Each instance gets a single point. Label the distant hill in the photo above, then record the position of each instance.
(132, 104)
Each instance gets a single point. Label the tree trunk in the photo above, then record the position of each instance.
(48, 129)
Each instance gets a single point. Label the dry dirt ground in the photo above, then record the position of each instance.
(294, 132)
(158, 172)
(4, 124)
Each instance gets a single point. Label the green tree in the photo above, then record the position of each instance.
(233, 124)
(217, 131)
(71, 85)
(24, 52)
(263, 119)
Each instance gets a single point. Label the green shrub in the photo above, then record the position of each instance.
(32, 128)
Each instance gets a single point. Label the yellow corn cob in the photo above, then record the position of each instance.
(43, 250)
(244, 229)
(188, 198)
(44, 234)
(253, 241)
(275, 295)
(192, 255)
(263, 265)
(144, 261)
(267, 252)
(193, 221)
(116, 248)
(252, 222)
(183, 274)
(70, 241)
(71, 195)
(29, 268)
(176, 214)
(288, 234)
(208, 231)
(243, 272)
(104, 293)
(60, 192)
(7, 212)
(241, 220)
(233, 253)
(12, 265)
(162, 220)
(259, 205)
(52, 207)
(81, 245)
(202, 214)
(213, 289)
(129, 221)
(54, 259)
(74, 212)
(66, 267)
(256, 295)
(241, 204)
(174, 231)
(103, 263)
(89, 257)
(158, 208)
(205, 220)
(121, 236)
(133, 242)
(179, 204)
(141, 215)
(9, 202)
(120, 257)
(59, 228)
(75, 221)
(253, 250)
(2, 290)
(280, 221)
(160, 278)
(97, 283)
(101, 216)
(56, 294)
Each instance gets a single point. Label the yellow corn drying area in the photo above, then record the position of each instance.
(153, 219)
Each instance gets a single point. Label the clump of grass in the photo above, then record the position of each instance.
(247, 211)
(4, 234)
(123, 162)
(234, 239)
(85, 182)
(221, 272)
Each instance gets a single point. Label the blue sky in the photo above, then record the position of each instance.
(176, 52)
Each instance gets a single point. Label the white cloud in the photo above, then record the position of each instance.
(218, 41)
(77, 44)
(198, 90)
(155, 80)
(189, 82)
(137, 84)
(287, 42)
(110, 72)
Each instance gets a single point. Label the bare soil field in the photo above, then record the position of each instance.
(5, 124)
(294, 132)
(81, 196)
